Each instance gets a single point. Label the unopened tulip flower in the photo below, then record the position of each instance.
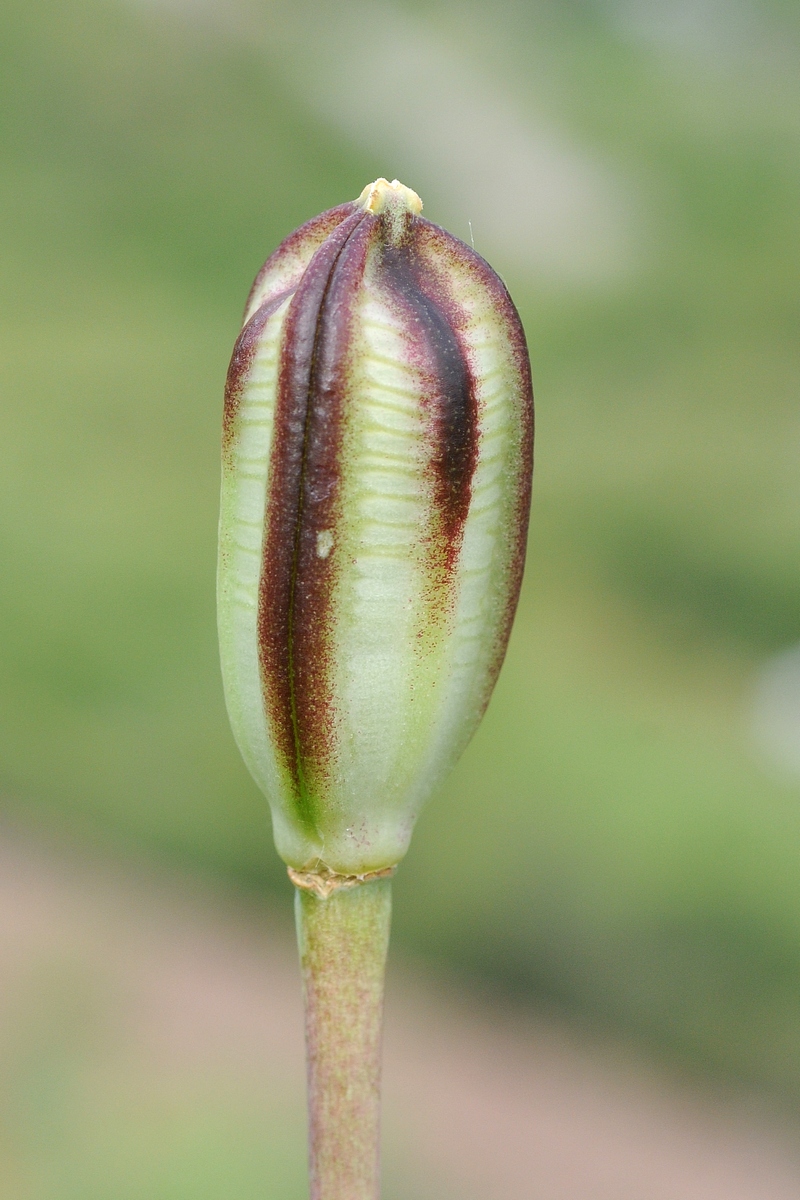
(377, 456)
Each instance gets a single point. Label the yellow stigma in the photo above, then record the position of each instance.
(381, 195)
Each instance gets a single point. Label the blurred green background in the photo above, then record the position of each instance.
(618, 841)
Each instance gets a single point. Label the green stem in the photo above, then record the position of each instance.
(343, 941)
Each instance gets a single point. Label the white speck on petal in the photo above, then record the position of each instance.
(324, 543)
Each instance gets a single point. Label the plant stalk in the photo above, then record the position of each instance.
(343, 940)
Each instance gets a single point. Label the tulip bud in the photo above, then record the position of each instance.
(377, 456)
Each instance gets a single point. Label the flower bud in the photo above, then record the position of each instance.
(377, 456)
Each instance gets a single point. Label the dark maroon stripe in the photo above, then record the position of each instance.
(301, 493)
(316, 576)
(318, 227)
(433, 322)
(244, 351)
(454, 249)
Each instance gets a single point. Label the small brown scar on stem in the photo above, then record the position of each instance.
(324, 883)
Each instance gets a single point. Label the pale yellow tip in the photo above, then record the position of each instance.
(380, 195)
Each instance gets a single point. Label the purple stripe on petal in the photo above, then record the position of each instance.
(286, 498)
(241, 363)
(315, 230)
(322, 473)
(455, 254)
(431, 319)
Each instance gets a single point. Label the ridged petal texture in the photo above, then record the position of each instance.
(377, 457)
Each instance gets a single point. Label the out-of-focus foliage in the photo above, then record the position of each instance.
(610, 841)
